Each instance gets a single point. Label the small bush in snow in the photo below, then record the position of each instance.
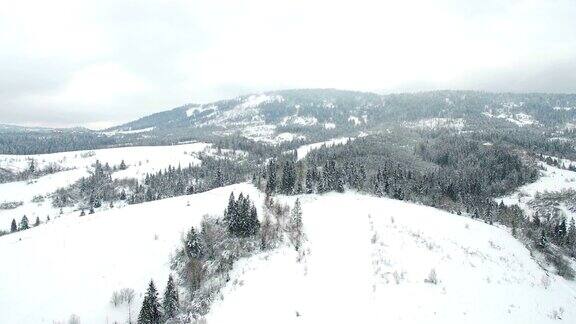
(432, 277)
(74, 319)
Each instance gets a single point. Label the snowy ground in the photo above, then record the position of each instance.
(303, 150)
(368, 262)
(73, 264)
(552, 179)
(140, 160)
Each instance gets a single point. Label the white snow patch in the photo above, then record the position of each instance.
(129, 131)
(519, 119)
(435, 123)
(303, 150)
(355, 120)
(329, 125)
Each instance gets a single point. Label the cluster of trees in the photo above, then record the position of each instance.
(241, 216)
(155, 310)
(206, 256)
(31, 172)
(23, 225)
(176, 181)
(452, 173)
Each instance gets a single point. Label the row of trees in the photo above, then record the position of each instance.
(155, 310)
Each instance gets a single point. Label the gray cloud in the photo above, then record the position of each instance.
(68, 63)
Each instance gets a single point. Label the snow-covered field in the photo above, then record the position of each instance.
(368, 262)
(552, 179)
(139, 159)
(73, 264)
(303, 150)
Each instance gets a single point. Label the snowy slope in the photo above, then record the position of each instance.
(140, 160)
(303, 150)
(551, 179)
(73, 264)
(369, 258)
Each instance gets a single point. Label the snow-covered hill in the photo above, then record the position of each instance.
(369, 261)
(139, 160)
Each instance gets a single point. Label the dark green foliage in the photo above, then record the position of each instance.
(241, 217)
(23, 223)
(150, 311)
(170, 302)
(13, 226)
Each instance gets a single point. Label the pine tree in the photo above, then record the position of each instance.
(193, 245)
(296, 231)
(24, 223)
(123, 165)
(13, 226)
(37, 222)
(170, 302)
(123, 195)
(150, 311)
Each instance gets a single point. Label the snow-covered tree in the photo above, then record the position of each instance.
(170, 302)
(24, 225)
(13, 226)
(150, 311)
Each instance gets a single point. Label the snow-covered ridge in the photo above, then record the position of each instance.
(129, 131)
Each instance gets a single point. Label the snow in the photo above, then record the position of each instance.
(73, 264)
(154, 156)
(551, 179)
(303, 150)
(130, 131)
(139, 159)
(254, 101)
(329, 125)
(354, 120)
(199, 109)
(299, 120)
(436, 123)
(368, 261)
(520, 119)
(563, 108)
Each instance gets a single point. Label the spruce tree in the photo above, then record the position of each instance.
(170, 302)
(24, 223)
(193, 246)
(13, 226)
(150, 311)
(37, 222)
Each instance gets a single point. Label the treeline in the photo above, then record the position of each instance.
(452, 173)
(92, 192)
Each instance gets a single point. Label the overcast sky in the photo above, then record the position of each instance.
(101, 62)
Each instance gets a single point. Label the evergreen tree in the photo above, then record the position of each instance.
(13, 226)
(288, 178)
(37, 222)
(193, 245)
(170, 302)
(150, 311)
(123, 165)
(24, 223)
(123, 195)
